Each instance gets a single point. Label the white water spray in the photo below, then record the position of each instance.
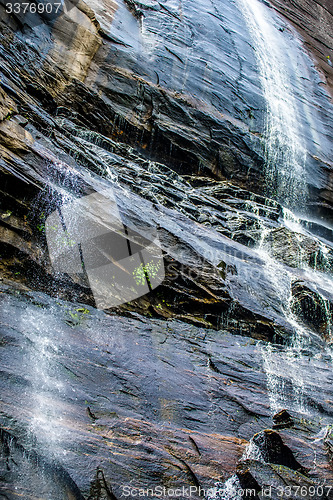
(285, 152)
(47, 418)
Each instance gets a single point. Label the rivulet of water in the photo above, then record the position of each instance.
(285, 151)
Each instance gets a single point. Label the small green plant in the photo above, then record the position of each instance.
(83, 310)
(145, 272)
(140, 275)
(76, 317)
(64, 239)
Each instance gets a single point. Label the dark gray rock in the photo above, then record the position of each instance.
(180, 86)
(282, 420)
(170, 402)
(274, 451)
(314, 22)
(312, 308)
(277, 481)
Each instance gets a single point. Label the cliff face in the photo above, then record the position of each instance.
(314, 20)
(167, 103)
(181, 84)
(134, 403)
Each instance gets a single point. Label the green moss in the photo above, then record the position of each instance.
(144, 272)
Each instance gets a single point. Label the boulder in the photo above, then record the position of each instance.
(277, 481)
(282, 419)
(312, 308)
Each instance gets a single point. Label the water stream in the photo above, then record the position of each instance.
(285, 155)
(285, 151)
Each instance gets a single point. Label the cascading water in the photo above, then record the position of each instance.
(282, 366)
(285, 152)
(285, 173)
(45, 346)
(232, 489)
(285, 378)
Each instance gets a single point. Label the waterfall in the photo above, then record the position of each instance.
(279, 53)
(285, 372)
(42, 365)
(232, 489)
(283, 366)
(285, 151)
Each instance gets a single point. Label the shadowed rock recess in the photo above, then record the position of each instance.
(210, 122)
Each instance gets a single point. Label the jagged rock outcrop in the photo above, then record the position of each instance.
(26, 471)
(211, 269)
(311, 308)
(270, 468)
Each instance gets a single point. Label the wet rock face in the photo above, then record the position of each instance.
(270, 469)
(191, 100)
(314, 22)
(271, 480)
(282, 419)
(292, 248)
(310, 307)
(209, 231)
(274, 451)
(105, 401)
(27, 471)
(214, 275)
